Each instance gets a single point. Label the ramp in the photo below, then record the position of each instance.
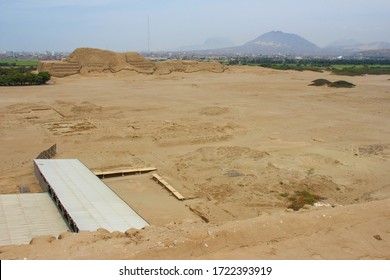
(24, 216)
(84, 200)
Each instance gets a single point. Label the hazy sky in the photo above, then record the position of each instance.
(122, 25)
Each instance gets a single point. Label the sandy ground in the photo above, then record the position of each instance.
(233, 143)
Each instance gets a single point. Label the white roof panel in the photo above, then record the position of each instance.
(89, 202)
(24, 216)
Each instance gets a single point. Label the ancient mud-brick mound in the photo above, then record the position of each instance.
(95, 60)
(59, 69)
(87, 60)
(166, 67)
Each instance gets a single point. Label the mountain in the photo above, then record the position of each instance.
(343, 43)
(382, 53)
(278, 42)
(210, 43)
(351, 47)
(271, 43)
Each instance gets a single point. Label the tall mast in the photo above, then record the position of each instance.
(148, 36)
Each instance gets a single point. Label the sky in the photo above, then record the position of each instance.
(122, 25)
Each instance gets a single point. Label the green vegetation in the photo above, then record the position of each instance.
(18, 73)
(361, 70)
(300, 198)
(285, 194)
(337, 84)
(342, 84)
(335, 69)
(310, 172)
(320, 83)
(13, 63)
(21, 76)
(347, 67)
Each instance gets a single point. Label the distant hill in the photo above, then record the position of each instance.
(343, 43)
(352, 47)
(278, 42)
(384, 53)
(271, 43)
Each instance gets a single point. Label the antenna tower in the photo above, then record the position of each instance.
(148, 36)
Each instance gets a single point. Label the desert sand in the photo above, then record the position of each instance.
(234, 143)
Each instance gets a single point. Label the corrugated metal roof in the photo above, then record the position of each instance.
(89, 202)
(24, 216)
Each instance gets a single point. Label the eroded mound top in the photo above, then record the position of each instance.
(87, 55)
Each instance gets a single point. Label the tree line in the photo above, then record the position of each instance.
(22, 77)
(347, 67)
(317, 62)
(7, 63)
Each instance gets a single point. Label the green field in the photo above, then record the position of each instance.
(358, 70)
(337, 69)
(346, 67)
(341, 66)
(31, 63)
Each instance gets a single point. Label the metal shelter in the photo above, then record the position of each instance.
(84, 201)
(28, 215)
